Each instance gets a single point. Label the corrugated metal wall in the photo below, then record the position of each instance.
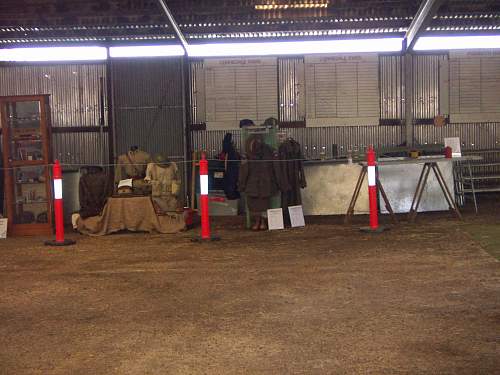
(148, 105)
(81, 148)
(74, 90)
(75, 101)
(291, 89)
(473, 137)
(391, 87)
(426, 80)
(426, 85)
(313, 140)
(197, 90)
(149, 110)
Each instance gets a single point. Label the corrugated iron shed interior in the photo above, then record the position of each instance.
(100, 108)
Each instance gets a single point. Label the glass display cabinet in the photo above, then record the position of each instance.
(25, 124)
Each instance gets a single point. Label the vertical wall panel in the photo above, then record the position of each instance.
(148, 105)
(474, 82)
(342, 90)
(197, 94)
(490, 81)
(391, 87)
(291, 89)
(240, 88)
(426, 85)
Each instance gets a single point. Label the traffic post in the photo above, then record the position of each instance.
(204, 199)
(58, 209)
(371, 166)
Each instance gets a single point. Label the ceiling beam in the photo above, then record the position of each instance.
(175, 26)
(427, 10)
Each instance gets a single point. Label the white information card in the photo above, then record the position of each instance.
(125, 183)
(296, 216)
(275, 219)
(3, 228)
(454, 143)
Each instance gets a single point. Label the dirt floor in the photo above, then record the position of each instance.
(421, 298)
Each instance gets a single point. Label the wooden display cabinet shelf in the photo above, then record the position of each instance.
(26, 133)
(21, 163)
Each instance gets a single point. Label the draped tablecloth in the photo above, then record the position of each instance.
(135, 214)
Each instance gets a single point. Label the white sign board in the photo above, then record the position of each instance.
(454, 143)
(125, 183)
(3, 228)
(275, 219)
(252, 61)
(347, 57)
(296, 216)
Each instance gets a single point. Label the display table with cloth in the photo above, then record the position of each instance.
(131, 213)
(329, 188)
(408, 185)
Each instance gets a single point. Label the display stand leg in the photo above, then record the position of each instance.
(355, 195)
(386, 201)
(446, 191)
(472, 185)
(422, 181)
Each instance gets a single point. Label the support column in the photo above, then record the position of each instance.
(111, 118)
(408, 95)
(186, 122)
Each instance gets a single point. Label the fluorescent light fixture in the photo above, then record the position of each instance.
(147, 51)
(53, 54)
(291, 6)
(433, 43)
(295, 48)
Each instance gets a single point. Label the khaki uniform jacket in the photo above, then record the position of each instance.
(164, 179)
(136, 169)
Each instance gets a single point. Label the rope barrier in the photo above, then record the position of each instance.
(145, 164)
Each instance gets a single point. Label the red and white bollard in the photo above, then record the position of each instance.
(58, 209)
(205, 219)
(205, 216)
(372, 191)
(372, 187)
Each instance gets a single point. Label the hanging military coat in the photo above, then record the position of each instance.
(232, 167)
(94, 190)
(258, 178)
(291, 171)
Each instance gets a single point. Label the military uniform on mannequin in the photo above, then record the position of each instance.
(133, 165)
(258, 179)
(291, 175)
(163, 176)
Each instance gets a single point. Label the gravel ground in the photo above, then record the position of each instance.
(418, 299)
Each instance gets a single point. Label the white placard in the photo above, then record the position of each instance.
(204, 184)
(58, 189)
(454, 143)
(237, 61)
(372, 179)
(460, 54)
(296, 216)
(125, 183)
(341, 58)
(3, 228)
(275, 219)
